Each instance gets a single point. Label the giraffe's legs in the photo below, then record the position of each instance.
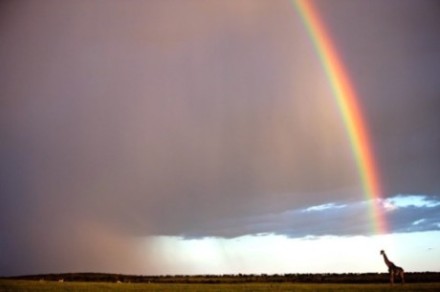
(392, 277)
(402, 277)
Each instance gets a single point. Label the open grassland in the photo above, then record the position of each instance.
(26, 285)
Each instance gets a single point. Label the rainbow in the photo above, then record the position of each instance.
(348, 105)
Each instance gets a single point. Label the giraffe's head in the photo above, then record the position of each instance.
(382, 252)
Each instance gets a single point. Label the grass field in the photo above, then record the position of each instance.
(24, 285)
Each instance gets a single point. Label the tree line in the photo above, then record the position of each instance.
(352, 278)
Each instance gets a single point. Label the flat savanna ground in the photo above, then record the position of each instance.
(26, 285)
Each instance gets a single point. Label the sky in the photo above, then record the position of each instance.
(203, 137)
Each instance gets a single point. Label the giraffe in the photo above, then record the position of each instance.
(393, 269)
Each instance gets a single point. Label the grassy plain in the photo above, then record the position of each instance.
(26, 285)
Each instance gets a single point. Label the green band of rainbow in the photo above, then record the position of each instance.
(346, 99)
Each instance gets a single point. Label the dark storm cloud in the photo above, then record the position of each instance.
(150, 118)
(167, 117)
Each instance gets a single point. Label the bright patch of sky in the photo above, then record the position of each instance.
(402, 201)
(280, 254)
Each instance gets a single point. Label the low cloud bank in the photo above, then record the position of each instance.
(404, 213)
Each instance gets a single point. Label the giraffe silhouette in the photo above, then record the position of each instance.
(393, 269)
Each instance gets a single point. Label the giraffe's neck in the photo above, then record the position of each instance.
(387, 262)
